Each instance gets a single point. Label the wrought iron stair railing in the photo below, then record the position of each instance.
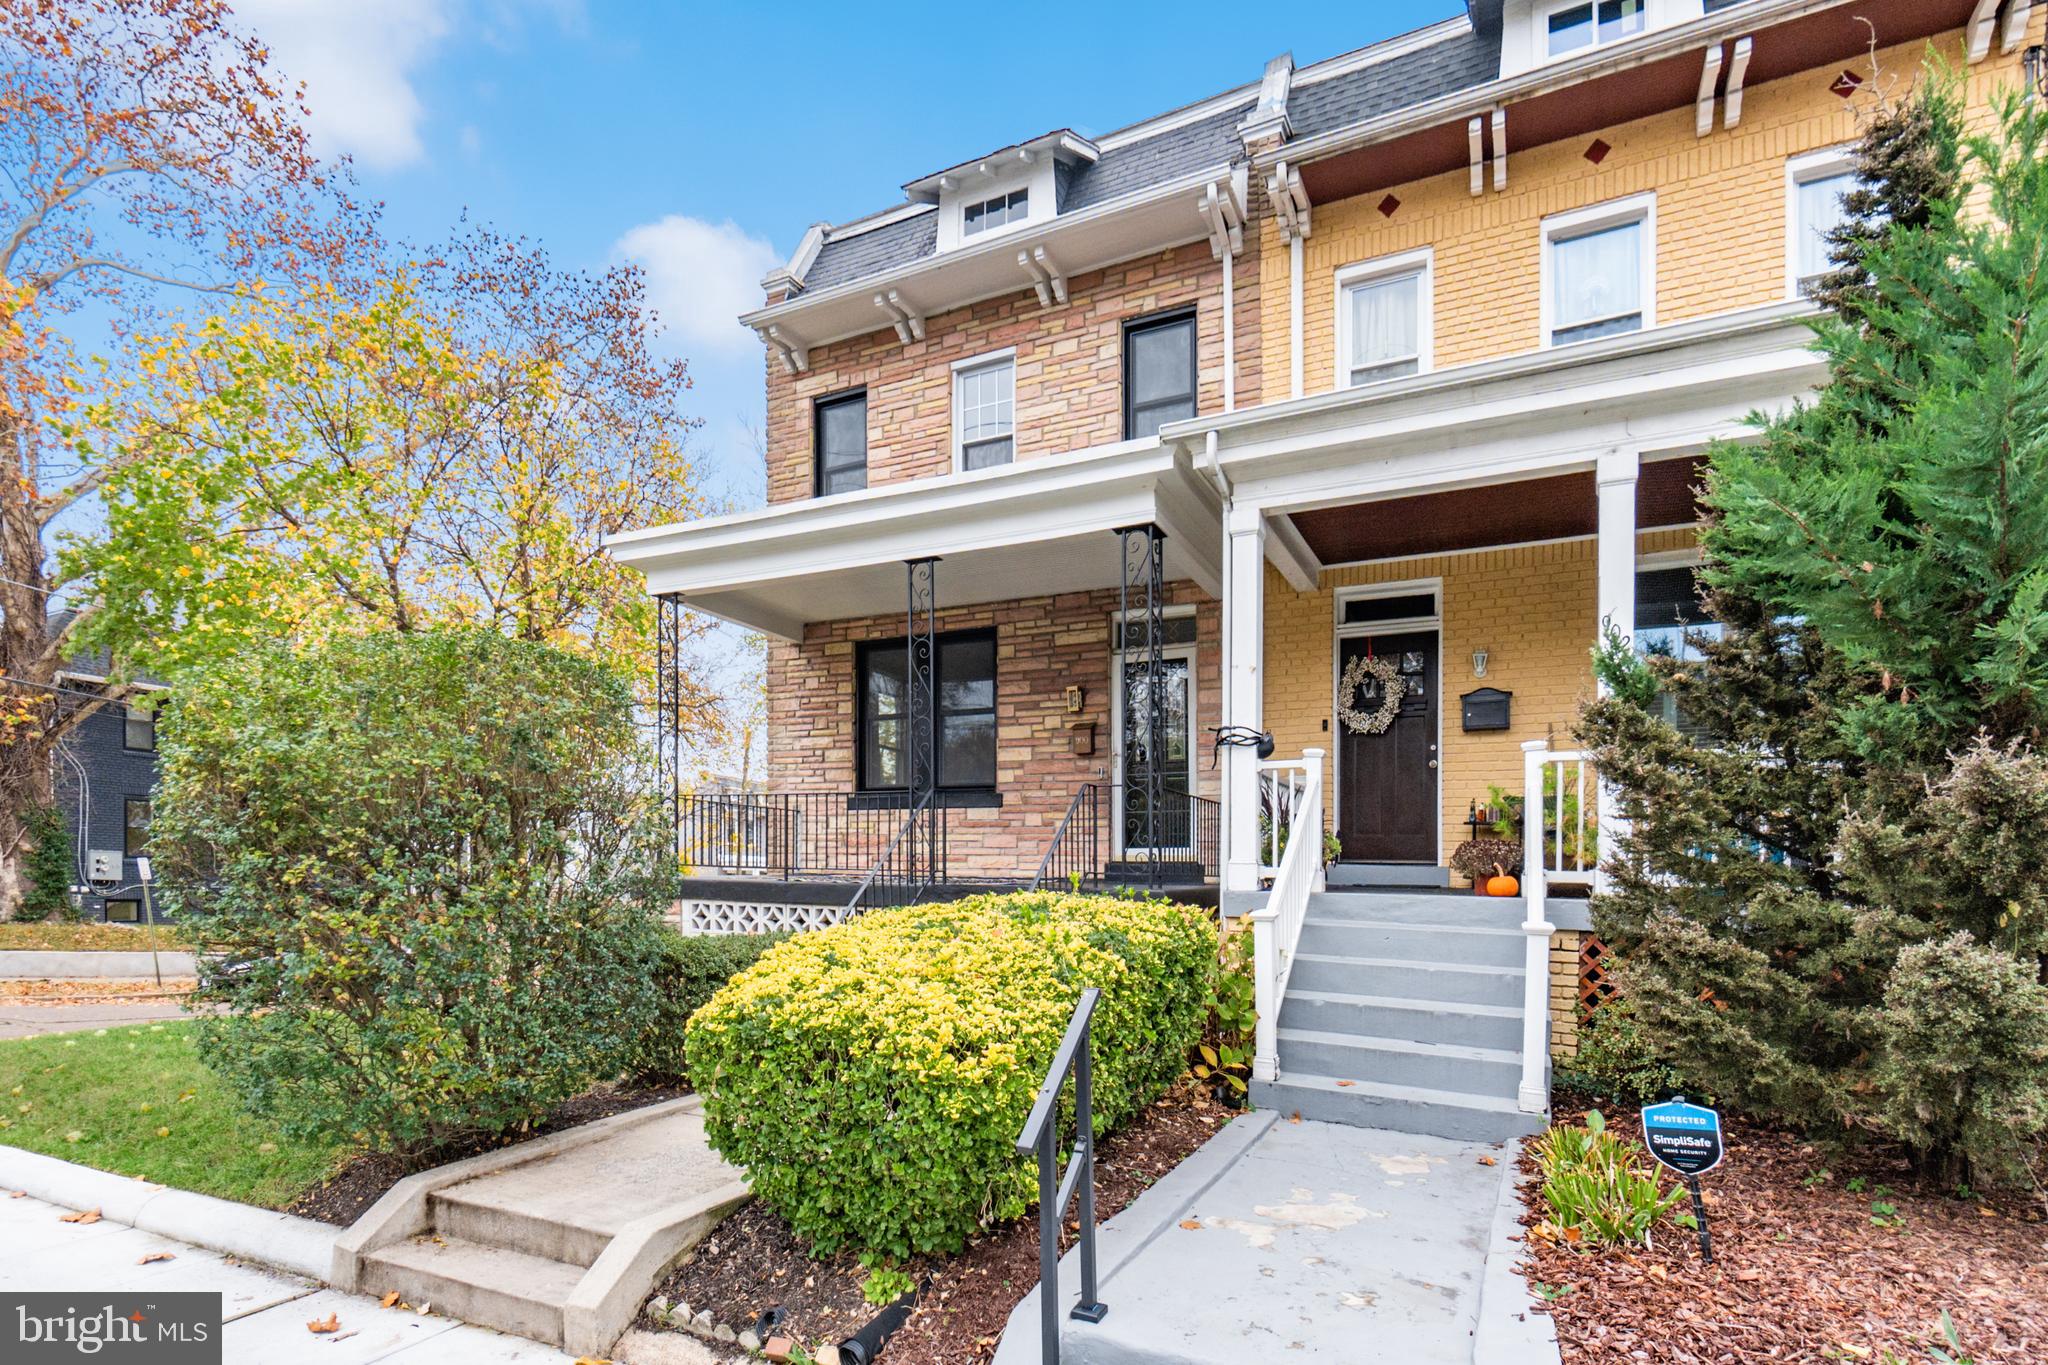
(1103, 839)
(911, 866)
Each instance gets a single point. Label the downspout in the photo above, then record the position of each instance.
(1211, 464)
(1229, 350)
(1294, 268)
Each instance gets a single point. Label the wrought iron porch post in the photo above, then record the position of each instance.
(920, 678)
(668, 719)
(1143, 556)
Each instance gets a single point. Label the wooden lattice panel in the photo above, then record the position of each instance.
(1596, 982)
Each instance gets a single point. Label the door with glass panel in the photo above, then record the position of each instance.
(1172, 829)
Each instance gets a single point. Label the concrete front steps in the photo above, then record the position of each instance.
(1404, 1011)
(560, 1239)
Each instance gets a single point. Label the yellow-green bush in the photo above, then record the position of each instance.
(872, 1078)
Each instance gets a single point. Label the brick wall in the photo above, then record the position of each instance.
(1532, 608)
(1721, 217)
(1069, 368)
(1564, 993)
(1043, 646)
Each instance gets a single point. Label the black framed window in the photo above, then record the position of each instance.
(124, 911)
(841, 440)
(1159, 373)
(135, 826)
(966, 687)
(138, 729)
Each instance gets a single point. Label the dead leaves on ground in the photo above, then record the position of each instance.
(156, 1256)
(84, 1217)
(322, 1326)
(388, 1299)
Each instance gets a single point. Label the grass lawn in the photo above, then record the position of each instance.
(134, 1100)
(57, 936)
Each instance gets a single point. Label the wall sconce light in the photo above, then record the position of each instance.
(1074, 696)
(1479, 662)
(2034, 65)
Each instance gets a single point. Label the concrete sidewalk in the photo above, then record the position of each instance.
(265, 1312)
(33, 1021)
(1308, 1241)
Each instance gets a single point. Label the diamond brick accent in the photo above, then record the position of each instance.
(1597, 150)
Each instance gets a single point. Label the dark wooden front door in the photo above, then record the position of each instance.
(1387, 810)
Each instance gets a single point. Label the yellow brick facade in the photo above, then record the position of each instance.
(1720, 218)
(1531, 607)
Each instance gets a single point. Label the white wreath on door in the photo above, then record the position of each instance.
(1392, 689)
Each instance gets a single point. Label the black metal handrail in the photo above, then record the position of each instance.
(788, 834)
(1083, 846)
(1040, 1136)
(914, 861)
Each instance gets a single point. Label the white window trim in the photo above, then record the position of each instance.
(1541, 35)
(1420, 263)
(1817, 165)
(975, 362)
(1636, 208)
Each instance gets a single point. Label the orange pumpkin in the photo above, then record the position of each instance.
(1501, 884)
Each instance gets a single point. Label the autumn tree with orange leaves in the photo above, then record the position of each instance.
(150, 156)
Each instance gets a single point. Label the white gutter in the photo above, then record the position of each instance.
(1479, 100)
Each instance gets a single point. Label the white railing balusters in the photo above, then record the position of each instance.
(1276, 926)
(1547, 860)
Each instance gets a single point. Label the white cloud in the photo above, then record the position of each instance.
(358, 59)
(700, 277)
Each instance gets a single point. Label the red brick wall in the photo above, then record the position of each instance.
(1069, 368)
(1043, 646)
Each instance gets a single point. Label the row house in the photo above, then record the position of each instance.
(1274, 464)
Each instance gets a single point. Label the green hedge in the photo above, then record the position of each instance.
(872, 1078)
(686, 972)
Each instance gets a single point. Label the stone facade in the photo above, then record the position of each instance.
(1069, 376)
(1043, 646)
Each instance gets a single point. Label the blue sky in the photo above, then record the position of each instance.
(701, 139)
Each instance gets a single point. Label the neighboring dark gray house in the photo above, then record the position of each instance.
(105, 781)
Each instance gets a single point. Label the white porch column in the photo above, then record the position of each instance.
(1243, 695)
(1616, 480)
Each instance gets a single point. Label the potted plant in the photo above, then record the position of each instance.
(1485, 859)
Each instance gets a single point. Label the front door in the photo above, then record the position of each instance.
(1387, 782)
(1174, 759)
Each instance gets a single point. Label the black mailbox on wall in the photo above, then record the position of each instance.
(1486, 709)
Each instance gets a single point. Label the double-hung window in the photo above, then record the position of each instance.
(1383, 319)
(138, 729)
(1574, 27)
(135, 826)
(842, 442)
(1815, 185)
(1159, 373)
(984, 411)
(1004, 209)
(965, 705)
(1600, 271)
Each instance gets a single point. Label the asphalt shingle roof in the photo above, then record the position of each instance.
(1461, 62)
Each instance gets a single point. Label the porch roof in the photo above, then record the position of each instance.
(1666, 391)
(1035, 528)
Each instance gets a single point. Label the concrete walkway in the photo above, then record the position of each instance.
(33, 1021)
(265, 1312)
(1296, 1240)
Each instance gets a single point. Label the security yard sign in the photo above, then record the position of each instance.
(1687, 1139)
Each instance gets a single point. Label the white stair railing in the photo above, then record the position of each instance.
(1560, 799)
(1281, 784)
(1276, 926)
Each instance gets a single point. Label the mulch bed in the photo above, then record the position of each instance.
(753, 1262)
(1801, 1271)
(363, 1180)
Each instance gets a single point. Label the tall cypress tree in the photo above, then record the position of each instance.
(1824, 909)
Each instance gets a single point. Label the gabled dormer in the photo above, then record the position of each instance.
(1008, 190)
(1535, 33)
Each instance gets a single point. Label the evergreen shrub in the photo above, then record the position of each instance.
(872, 1078)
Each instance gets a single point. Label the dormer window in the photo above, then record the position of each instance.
(1013, 207)
(1573, 27)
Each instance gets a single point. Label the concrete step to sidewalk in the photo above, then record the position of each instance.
(496, 1286)
(457, 1213)
(1401, 1108)
(1391, 1016)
